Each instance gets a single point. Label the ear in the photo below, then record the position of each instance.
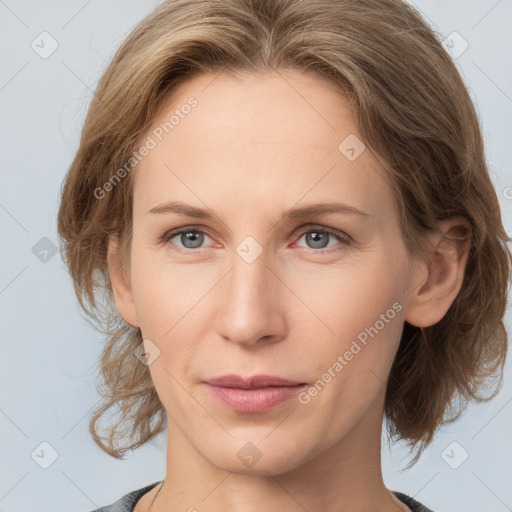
(438, 280)
(121, 285)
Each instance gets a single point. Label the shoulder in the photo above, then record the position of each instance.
(128, 501)
(414, 505)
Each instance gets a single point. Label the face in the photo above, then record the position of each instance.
(236, 270)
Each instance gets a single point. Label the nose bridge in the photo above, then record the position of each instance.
(249, 310)
(249, 275)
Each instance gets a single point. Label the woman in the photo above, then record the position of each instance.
(287, 208)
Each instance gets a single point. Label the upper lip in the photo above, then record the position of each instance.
(254, 382)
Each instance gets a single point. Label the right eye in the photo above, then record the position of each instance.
(189, 238)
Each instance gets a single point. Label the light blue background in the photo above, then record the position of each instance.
(50, 352)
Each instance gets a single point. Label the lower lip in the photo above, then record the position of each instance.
(254, 400)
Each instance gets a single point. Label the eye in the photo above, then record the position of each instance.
(189, 238)
(319, 238)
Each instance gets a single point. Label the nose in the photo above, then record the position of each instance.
(251, 309)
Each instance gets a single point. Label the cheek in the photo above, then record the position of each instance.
(355, 319)
(163, 292)
(343, 301)
(170, 301)
(351, 366)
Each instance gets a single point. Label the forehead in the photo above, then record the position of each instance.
(257, 139)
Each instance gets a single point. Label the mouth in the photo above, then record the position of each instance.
(258, 393)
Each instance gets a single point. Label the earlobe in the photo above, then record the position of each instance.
(439, 279)
(121, 285)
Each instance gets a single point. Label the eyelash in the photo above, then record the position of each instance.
(340, 236)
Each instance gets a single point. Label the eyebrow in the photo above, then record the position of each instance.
(294, 213)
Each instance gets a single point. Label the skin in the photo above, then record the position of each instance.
(253, 147)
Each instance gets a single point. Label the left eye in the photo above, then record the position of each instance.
(319, 238)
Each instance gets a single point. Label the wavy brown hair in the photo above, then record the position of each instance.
(413, 112)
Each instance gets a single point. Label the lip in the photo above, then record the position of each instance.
(256, 381)
(258, 393)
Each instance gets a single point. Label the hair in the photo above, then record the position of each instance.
(413, 112)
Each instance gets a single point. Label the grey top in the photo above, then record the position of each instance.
(128, 501)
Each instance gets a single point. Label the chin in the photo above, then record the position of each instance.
(259, 457)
